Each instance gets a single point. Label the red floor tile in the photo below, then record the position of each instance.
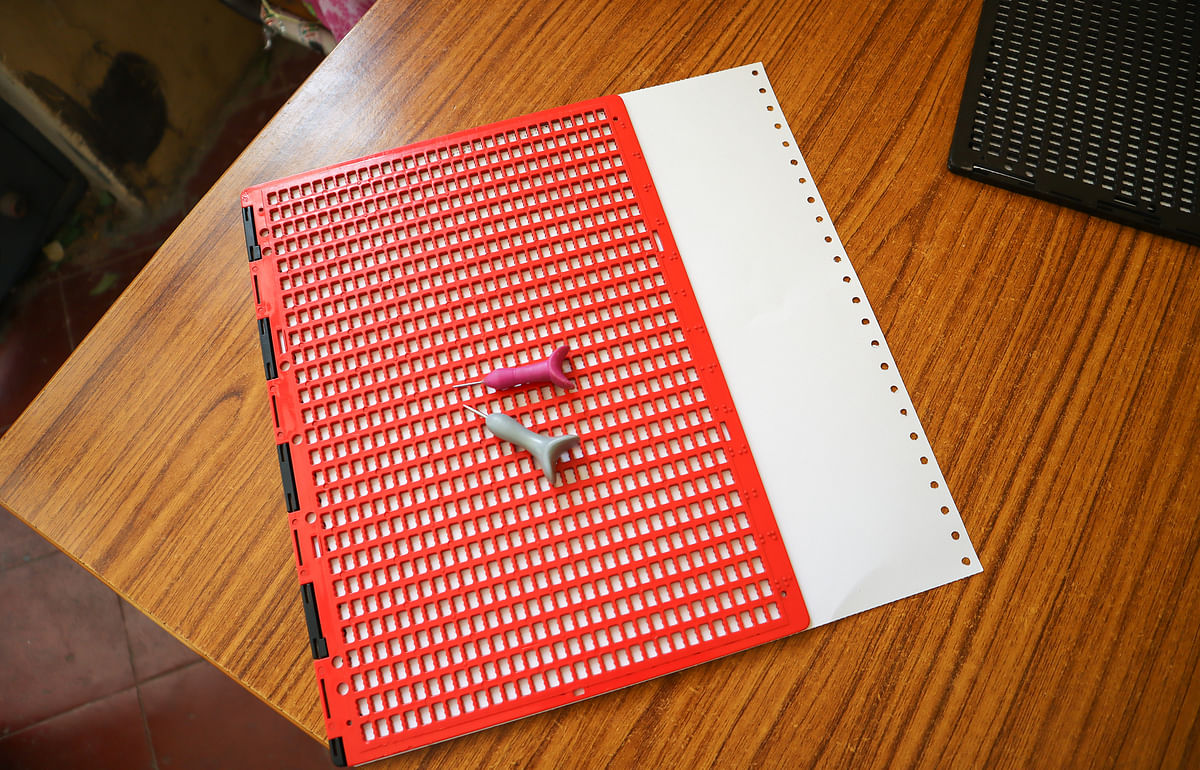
(34, 342)
(18, 543)
(200, 719)
(153, 650)
(63, 643)
(107, 734)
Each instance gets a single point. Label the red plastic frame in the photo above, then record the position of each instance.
(456, 588)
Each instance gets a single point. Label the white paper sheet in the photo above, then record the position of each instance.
(857, 508)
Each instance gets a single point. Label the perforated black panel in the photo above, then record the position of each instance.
(1091, 104)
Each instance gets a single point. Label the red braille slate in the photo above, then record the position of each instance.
(449, 587)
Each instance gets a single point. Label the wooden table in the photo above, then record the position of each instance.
(1051, 356)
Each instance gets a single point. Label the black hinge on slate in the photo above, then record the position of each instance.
(268, 348)
(252, 249)
(337, 752)
(289, 477)
(315, 638)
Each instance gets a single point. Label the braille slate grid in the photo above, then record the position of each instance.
(455, 588)
(1070, 95)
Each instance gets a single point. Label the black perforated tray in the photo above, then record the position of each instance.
(1088, 104)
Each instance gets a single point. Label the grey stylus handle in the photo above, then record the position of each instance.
(545, 449)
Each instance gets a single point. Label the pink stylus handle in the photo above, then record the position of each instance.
(547, 371)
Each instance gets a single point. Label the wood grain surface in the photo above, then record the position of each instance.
(1051, 356)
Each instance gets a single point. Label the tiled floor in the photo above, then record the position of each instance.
(90, 682)
(87, 681)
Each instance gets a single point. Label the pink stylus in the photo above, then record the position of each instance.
(548, 370)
